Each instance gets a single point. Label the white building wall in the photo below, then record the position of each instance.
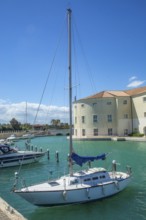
(128, 114)
(124, 117)
(139, 113)
(88, 108)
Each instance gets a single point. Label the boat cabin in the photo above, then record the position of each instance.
(92, 176)
(6, 149)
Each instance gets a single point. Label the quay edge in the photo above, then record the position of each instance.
(7, 212)
(109, 138)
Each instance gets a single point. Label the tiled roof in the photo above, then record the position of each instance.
(122, 93)
(100, 95)
(107, 94)
(118, 93)
(136, 91)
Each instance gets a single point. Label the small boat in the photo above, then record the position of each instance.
(27, 136)
(12, 137)
(10, 156)
(6, 142)
(2, 141)
(86, 185)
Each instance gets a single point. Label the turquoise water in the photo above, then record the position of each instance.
(127, 205)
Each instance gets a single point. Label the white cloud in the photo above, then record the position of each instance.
(132, 78)
(22, 114)
(136, 83)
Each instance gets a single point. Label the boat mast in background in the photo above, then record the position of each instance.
(70, 86)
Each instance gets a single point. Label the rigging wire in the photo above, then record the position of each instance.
(54, 86)
(49, 74)
(90, 75)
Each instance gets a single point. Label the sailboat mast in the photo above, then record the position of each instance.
(70, 83)
(26, 113)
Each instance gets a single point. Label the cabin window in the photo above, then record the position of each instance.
(95, 118)
(95, 178)
(73, 182)
(83, 132)
(109, 118)
(95, 132)
(125, 102)
(5, 149)
(54, 183)
(83, 119)
(102, 177)
(85, 180)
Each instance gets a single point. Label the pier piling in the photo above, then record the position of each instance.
(57, 156)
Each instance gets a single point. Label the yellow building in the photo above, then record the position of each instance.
(111, 113)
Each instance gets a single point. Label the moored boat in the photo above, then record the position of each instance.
(77, 187)
(10, 156)
(12, 137)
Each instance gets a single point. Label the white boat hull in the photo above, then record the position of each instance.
(18, 158)
(19, 162)
(78, 194)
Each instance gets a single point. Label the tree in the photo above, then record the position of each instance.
(55, 122)
(26, 127)
(15, 124)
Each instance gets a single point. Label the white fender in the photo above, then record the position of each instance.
(117, 185)
(64, 194)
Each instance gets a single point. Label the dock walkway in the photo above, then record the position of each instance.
(7, 212)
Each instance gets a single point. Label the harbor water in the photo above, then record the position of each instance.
(129, 204)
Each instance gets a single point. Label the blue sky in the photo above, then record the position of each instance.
(112, 34)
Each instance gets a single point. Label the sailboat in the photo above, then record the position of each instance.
(81, 186)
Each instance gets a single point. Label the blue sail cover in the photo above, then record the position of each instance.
(80, 160)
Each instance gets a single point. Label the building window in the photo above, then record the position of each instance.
(109, 103)
(144, 99)
(75, 120)
(83, 132)
(95, 132)
(144, 114)
(82, 105)
(110, 131)
(125, 102)
(76, 133)
(125, 115)
(109, 118)
(75, 106)
(125, 132)
(94, 104)
(83, 119)
(95, 118)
